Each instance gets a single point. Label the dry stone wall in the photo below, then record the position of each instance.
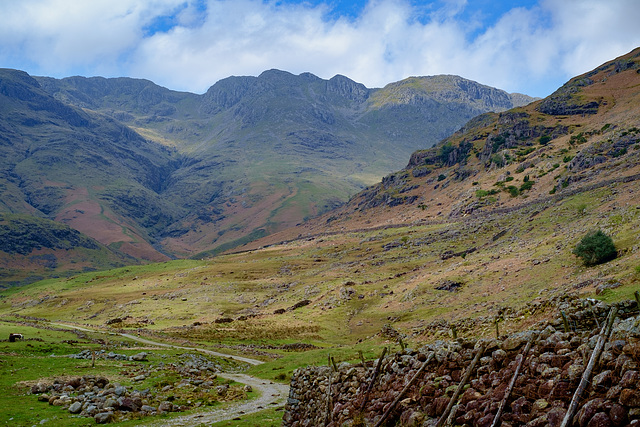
(550, 374)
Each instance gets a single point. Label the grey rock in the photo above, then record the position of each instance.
(140, 357)
(75, 407)
(103, 417)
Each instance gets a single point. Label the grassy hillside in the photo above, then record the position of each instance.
(34, 248)
(356, 282)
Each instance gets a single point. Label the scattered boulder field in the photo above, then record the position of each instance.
(196, 384)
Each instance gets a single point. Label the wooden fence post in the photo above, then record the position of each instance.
(373, 379)
(521, 357)
(586, 375)
(464, 380)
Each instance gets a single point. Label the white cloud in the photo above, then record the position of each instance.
(60, 35)
(530, 50)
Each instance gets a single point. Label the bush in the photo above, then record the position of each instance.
(498, 160)
(595, 248)
(513, 191)
(526, 186)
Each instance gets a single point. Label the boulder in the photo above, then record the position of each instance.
(618, 415)
(629, 397)
(75, 407)
(165, 406)
(600, 419)
(140, 357)
(103, 417)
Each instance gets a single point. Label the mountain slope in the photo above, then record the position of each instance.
(34, 248)
(81, 168)
(585, 135)
(156, 173)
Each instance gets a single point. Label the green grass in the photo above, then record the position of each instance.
(281, 369)
(22, 363)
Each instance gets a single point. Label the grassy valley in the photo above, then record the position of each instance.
(475, 234)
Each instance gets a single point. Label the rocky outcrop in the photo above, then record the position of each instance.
(96, 397)
(565, 101)
(549, 377)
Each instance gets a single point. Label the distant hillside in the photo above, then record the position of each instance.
(34, 248)
(156, 173)
(584, 136)
(81, 168)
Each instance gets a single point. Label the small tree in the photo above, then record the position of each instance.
(596, 248)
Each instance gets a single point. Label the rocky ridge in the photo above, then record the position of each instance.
(584, 136)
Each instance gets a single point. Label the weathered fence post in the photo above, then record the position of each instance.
(521, 357)
(376, 371)
(464, 380)
(586, 375)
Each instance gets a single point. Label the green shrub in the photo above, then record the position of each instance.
(620, 152)
(577, 139)
(544, 139)
(498, 160)
(441, 177)
(595, 248)
(483, 193)
(526, 186)
(524, 151)
(445, 150)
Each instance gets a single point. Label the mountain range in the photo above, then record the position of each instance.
(150, 174)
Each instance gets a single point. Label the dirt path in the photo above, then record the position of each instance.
(271, 394)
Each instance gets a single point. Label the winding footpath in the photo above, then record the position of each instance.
(272, 394)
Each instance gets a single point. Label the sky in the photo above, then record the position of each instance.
(526, 46)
